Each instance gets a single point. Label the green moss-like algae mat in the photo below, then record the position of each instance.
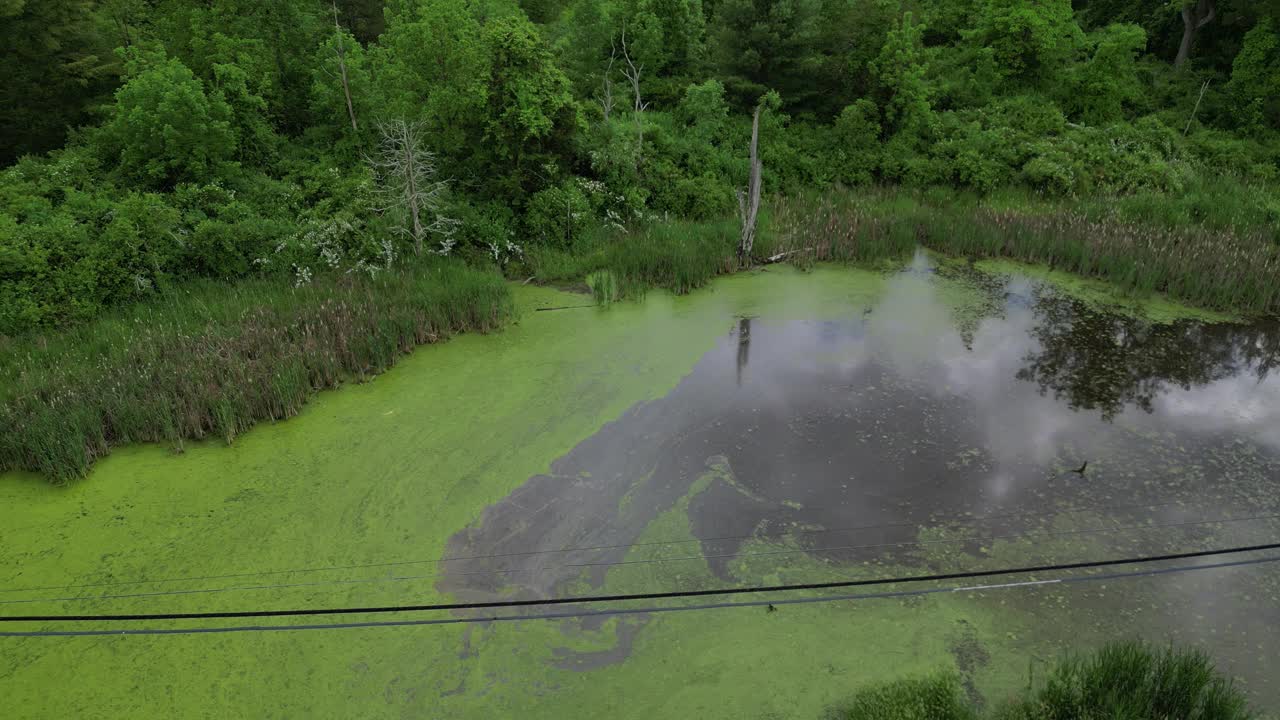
(373, 480)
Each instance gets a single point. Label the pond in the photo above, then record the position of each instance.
(776, 428)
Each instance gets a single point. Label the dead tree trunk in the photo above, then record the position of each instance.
(411, 198)
(606, 96)
(342, 67)
(633, 74)
(406, 173)
(1195, 15)
(749, 200)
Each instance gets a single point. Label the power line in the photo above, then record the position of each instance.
(842, 548)
(639, 596)
(400, 563)
(632, 611)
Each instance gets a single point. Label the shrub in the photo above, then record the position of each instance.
(1120, 681)
(936, 698)
(1133, 680)
(164, 129)
(856, 154)
(557, 215)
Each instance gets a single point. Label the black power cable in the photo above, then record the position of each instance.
(640, 596)
(647, 561)
(630, 611)
(526, 553)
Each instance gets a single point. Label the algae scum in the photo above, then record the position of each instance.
(777, 428)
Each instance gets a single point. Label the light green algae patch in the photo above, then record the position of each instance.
(375, 473)
(1157, 308)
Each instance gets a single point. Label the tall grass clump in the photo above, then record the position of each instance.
(212, 361)
(1126, 680)
(604, 287)
(675, 256)
(1223, 268)
(936, 698)
(1133, 680)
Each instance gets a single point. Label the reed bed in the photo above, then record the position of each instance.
(1128, 679)
(1222, 269)
(213, 361)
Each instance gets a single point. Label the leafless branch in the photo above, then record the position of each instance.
(406, 173)
(633, 73)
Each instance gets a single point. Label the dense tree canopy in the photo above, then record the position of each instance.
(151, 140)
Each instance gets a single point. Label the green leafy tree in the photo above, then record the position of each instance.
(856, 155)
(341, 63)
(431, 65)
(899, 72)
(58, 65)
(766, 44)
(1032, 40)
(1099, 90)
(531, 114)
(164, 128)
(273, 41)
(1255, 76)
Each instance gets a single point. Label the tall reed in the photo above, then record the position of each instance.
(213, 361)
(1126, 679)
(1223, 269)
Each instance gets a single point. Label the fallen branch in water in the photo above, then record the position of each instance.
(563, 307)
(781, 255)
(531, 279)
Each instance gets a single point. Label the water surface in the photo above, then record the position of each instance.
(777, 427)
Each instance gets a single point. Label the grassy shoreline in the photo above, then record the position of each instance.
(1227, 268)
(1124, 679)
(214, 360)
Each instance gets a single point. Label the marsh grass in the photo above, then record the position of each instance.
(934, 698)
(1222, 269)
(1135, 681)
(604, 287)
(675, 256)
(1128, 680)
(212, 361)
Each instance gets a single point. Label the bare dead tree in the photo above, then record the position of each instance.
(749, 199)
(406, 174)
(606, 94)
(1195, 15)
(341, 51)
(633, 73)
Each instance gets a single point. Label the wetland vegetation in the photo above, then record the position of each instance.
(1057, 226)
(1120, 680)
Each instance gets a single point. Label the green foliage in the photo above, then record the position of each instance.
(58, 64)
(899, 71)
(1129, 680)
(935, 698)
(228, 150)
(1255, 76)
(212, 361)
(430, 65)
(1133, 680)
(766, 44)
(857, 149)
(164, 128)
(530, 112)
(558, 215)
(1101, 88)
(1032, 40)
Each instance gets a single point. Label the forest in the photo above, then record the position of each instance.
(151, 143)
